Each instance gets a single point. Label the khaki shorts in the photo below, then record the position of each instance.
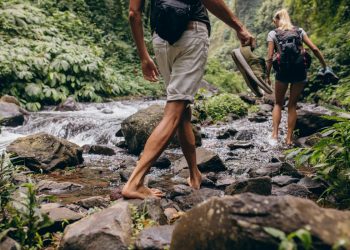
(182, 64)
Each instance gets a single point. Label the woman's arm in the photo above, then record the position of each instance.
(271, 47)
(315, 50)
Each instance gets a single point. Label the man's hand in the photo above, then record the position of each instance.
(149, 70)
(268, 80)
(246, 38)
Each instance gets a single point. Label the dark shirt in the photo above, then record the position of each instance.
(198, 12)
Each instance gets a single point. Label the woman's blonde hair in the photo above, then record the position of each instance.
(284, 20)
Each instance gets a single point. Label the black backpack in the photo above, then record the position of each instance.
(171, 18)
(290, 56)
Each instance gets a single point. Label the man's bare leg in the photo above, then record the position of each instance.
(155, 145)
(188, 146)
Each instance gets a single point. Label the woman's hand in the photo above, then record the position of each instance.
(149, 70)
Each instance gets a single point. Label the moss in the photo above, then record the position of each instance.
(220, 106)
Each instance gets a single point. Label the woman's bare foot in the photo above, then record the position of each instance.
(141, 192)
(195, 180)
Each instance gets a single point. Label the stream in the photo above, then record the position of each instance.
(98, 124)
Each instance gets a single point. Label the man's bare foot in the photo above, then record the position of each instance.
(141, 192)
(195, 180)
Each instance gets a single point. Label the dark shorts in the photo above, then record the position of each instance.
(292, 76)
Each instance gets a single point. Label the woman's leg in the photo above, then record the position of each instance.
(280, 92)
(295, 91)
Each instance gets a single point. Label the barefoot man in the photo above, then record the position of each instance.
(181, 64)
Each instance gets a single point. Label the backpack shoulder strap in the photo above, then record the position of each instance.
(275, 39)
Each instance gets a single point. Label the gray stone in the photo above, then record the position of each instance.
(273, 169)
(109, 229)
(138, 127)
(247, 99)
(240, 145)
(314, 186)
(258, 118)
(9, 244)
(238, 222)
(152, 207)
(245, 135)
(197, 196)
(92, 202)
(98, 150)
(68, 105)
(154, 238)
(260, 185)
(44, 152)
(267, 108)
(207, 161)
(10, 115)
(162, 162)
(283, 180)
(53, 187)
(309, 123)
(59, 214)
(178, 190)
(292, 189)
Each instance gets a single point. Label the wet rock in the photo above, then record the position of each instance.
(107, 111)
(258, 119)
(292, 189)
(59, 214)
(283, 180)
(240, 145)
(121, 144)
(308, 141)
(154, 238)
(170, 213)
(10, 115)
(110, 228)
(119, 133)
(269, 99)
(197, 196)
(245, 135)
(207, 161)
(68, 105)
(238, 222)
(225, 134)
(309, 123)
(162, 162)
(9, 244)
(138, 127)
(314, 186)
(273, 169)
(223, 182)
(207, 182)
(98, 150)
(266, 108)
(178, 190)
(53, 187)
(260, 185)
(45, 152)
(92, 202)
(116, 194)
(247, 99)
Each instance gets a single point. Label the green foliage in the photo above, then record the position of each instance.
(330, 157)
(288, 242)
(226, 80)
(219, 107)
(50, 50)
(140, 221)
(20, 218)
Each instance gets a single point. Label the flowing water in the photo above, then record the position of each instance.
(98, 124)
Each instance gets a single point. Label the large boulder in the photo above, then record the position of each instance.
(309, 123)
(9, 244)
(45, 152)
(260, 185)
(207, 161)
(10, 115)
(138, 127)
(108, 229)
(238, 222)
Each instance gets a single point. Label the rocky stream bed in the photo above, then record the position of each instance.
(82, 154)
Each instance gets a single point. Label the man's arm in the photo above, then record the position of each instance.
(149, 69)
(222, 11)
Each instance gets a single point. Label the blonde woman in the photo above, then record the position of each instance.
(290, 61)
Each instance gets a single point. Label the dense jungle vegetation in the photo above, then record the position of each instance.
(53, 49)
